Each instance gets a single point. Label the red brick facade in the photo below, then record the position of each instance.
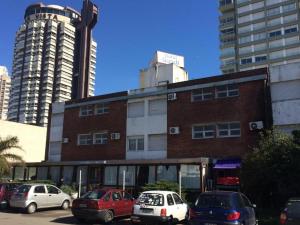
(112, 122)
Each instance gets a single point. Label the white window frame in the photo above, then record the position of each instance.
(205, 132)
(86, 141)
(136, 139)
(103, 138)
(101, 108)
(229, 129)
(201, 94)
(228, 91)
(87, 110)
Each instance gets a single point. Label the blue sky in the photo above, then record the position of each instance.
(130, 31)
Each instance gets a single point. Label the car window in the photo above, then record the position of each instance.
(293, 207)
(153, 199)
(215, 201)
(24, 188)
(39, 189)
(177, 199)
(11, 187)
(170, 200)
(126, 196)
(52, 190)
(106, 197)
(116, 196)
(94, 194)
(246, 201)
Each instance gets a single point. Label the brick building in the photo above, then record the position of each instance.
(153, 133)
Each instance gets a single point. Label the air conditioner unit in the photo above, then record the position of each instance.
(115, 136)
(257, 125)
(172, 96)
(174, 130)
(66, 140)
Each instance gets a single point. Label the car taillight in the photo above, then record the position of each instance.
(25, 195)
(192, 214)
(283, 218)
(163, 212)
(233, 216)
(94, 205)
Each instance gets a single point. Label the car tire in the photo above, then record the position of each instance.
(65, 205)
(80, 220)
(109, 216)
(31, 208)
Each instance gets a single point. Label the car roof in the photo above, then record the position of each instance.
(295, 199)
(36, 184)
(159, 192)
(225, 193)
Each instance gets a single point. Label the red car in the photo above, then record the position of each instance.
(103, 204)
(6, 191)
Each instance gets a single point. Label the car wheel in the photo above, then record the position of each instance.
(31, 208)
(65, 205)
(80, 220)
(109, 216)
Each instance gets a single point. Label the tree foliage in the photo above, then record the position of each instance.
(6, 156)
(271, 173)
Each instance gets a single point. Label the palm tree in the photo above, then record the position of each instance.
(6, 156)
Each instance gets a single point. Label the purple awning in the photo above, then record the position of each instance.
(228, 164)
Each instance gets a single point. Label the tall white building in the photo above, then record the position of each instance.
(46, 62)
(4, 92)
(261, 33)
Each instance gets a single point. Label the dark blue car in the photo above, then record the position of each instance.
(222, 208)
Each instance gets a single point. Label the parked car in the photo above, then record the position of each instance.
(6, 190)
(103, 204)
(291, 214)
(222, 207)
(36, 196)
(154, 207)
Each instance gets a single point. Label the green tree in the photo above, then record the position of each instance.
(6, 156)
(271, 173)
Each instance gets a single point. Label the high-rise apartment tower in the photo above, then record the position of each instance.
(48, 60)
(4, 92)
(255, 34)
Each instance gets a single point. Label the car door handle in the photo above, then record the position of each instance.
(50, 195)
(35, 195)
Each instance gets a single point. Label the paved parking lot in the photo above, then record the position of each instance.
(45, 217)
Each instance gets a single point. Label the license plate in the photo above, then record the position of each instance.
(210, 224)
(147, 210)
(82, 205)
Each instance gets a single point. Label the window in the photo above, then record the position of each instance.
(177, 199)
(136, 143)
(244, 19)
(291, 30)
(273, 11)
(229, 129)
(170, 199)
(246, 39)
(86, 110)
(190, 176)
(100, 138)
(229, 90)
(276, 43)
(202, 94)
(245, 50)
(110, 175)
(203, 131)
(157, 106)
(135, 109)
(157, 142)
(276, 55)
(260, 58)
(101, 108)
(85, 139)
(106, 197)
(246, 61)
(289, 7)
(259, 36)
(129, 175)
(52, 190)
(167, 172)
(275, 33)
(116, 196)
(39, 189)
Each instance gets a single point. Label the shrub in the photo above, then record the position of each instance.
(68, 189)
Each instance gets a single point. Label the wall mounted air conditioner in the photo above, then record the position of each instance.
(172, 96)
(257, 125)
(115, 136)
(66, 140)
(174, 130)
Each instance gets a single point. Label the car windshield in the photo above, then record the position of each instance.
(93, 195)
(151, 199)
(213, 201)
(23, 188)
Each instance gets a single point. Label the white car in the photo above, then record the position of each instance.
(154, 207)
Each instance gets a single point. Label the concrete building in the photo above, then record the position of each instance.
(5, 84)
(153, 133)
(54, 60)
(285, 92)
(256, 34)
(32, 139)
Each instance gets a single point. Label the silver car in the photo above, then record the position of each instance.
(36, 196)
